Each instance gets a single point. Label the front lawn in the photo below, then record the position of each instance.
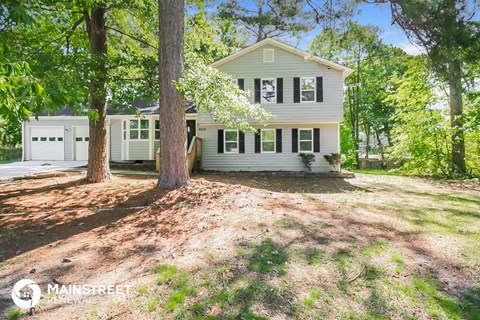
(251, 246)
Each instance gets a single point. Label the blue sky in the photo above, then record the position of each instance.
(377, 15)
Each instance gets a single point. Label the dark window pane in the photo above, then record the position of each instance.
(231, 147)
(133, 124)
(87, 139)
(60, 139)
(43, 139)
(268, 146)
(157, 135)
(305, 134)
(51, 139)
(78, 139)
(308, 95)
(268, 135)
(144, 134)
(34, 138)
(134, 134)
(144, 124)
(157, 124)
(305, 145)
(231, 135)
(308, 84)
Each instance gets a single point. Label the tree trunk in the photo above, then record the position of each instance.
(456, 111)
(98, 167)
(173, 132)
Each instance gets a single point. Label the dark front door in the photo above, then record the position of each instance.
(191, 132)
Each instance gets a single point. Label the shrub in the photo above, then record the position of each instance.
(336, 160)
(307, 159)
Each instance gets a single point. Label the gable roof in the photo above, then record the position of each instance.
(345, 71)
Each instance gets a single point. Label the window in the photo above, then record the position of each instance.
(78, 139)
(307, 87)
(87, 139)
(51, 139)
(305, 140)
(34, 138)
(268, 140)
(139, 129)
(157, 129)
(43, 138)
(268, 55)
(231, 141)
(269, 90)
(60, 139)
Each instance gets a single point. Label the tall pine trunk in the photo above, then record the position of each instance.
(173, 132)
(98, 167)
(456, 111)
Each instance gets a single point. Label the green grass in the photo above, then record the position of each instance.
(13, 314)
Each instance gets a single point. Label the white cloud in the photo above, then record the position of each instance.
(412, 49)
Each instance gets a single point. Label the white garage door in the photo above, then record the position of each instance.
(47, 143)
(81, 139)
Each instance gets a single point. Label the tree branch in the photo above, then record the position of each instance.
(74, 27)
(132, 37)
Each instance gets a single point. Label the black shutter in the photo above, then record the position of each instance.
(257, 141)
(278, 136)
(316, 140)
(220, 141)
(241, 141)
(241, 84)
(294, 140)
(296, 90)
(279, 90)
(319, 89)
(257, 90)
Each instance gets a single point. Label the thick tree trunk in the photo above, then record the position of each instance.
(456, 111)
(173, 132)
(98, 168)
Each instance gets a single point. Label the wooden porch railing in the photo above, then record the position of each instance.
(194, 156)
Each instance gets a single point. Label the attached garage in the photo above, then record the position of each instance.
(47, 143)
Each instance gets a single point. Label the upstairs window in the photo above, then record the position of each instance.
(231, 141)
(269, 90)
(308, 88)
(139, 129)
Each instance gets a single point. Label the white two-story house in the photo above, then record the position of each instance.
(303, 92)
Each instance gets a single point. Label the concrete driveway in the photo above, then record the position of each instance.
(27, 168)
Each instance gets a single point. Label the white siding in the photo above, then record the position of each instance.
(287, 66)
(116, 139)
(68, 137)
(251, 161)
(139, 150)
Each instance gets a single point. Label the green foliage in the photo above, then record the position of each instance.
(421, 133)
(307, 160)
(216, 93)
(335, 159)
(13, 314)
(347, 145)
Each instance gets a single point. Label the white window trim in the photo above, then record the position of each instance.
(305, 151)
(314, 89)
(225, 141)
(261, 90)
(139, 129)
(273, 55)
(274, 141)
